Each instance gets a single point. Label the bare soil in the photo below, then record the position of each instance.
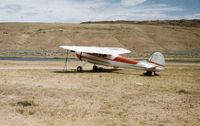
(41, 93)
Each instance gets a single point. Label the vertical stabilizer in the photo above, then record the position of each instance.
(157, 58)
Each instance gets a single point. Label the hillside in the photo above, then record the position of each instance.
(187, 23)
(37, 37)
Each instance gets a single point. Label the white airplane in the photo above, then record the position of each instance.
(108, 56)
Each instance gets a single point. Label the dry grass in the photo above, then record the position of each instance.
(62, 98)
(136, 37)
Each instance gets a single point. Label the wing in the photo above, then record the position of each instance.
(97, 50)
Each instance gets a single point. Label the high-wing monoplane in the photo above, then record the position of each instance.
(110, 56)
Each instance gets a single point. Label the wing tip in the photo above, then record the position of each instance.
(62, 46)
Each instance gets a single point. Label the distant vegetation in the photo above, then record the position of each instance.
(187, 23)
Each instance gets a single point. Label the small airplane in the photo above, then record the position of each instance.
(109, 56)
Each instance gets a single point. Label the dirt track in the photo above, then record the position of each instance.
(121, 97)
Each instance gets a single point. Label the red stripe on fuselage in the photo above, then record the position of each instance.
(125, 60)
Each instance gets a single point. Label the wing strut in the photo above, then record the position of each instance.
(66, 59)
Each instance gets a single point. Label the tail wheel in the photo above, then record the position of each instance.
(148, 73)
(79, 69)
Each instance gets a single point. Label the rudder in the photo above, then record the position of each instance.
(157, 58)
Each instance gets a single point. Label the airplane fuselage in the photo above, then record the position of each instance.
(114, 61)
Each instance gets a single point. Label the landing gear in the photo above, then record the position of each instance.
(150, 73)
(97, 69)
(100, 69)
(79, 69)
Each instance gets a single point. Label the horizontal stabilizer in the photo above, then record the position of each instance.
(148, 65)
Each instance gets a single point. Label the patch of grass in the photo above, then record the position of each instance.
(182, 91)
(25, 103)
(66, 103)
(31, 112)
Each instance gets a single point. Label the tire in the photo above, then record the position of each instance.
(79, 69)
(148, 73)
(100, 69)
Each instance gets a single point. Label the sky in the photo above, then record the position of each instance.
(76, 11)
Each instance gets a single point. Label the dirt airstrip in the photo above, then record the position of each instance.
(41, 93)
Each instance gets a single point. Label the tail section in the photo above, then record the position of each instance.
(157, 58)
(154, 64)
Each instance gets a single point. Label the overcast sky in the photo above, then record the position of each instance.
(75, 11)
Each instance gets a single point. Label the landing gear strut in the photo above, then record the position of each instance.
(95, 68)
(66, 59)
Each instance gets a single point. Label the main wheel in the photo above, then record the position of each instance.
(79, 69)
(95, 68)
(100, 69)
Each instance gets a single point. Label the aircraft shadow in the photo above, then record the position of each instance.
(86, 71)
(114, 71)
(142, 75)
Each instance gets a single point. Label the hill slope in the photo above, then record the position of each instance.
(138, 37)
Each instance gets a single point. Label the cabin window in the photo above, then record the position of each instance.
(100, 55)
